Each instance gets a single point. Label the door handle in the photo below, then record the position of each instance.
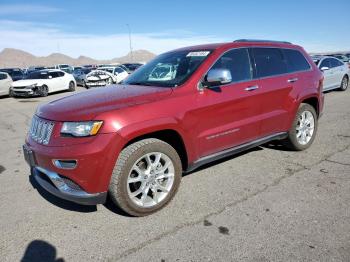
(251, 88)
(292, 80)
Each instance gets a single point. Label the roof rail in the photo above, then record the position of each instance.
(261, 40)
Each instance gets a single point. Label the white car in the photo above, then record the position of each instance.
(42, 83)
(336, 73)
(120, 73)
(105, 77)
(5, 83)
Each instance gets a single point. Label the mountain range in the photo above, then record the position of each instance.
(10, 57)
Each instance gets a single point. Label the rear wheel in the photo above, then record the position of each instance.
(71, 86)
(146, 177)
(303, 130)
(344, 83)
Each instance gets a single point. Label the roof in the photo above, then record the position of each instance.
(239, 43)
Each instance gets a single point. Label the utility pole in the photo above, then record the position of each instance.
(130, 53)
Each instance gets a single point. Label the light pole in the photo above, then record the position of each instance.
(131, 56)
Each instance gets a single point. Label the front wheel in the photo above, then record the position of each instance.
(344, 83)
(146, 177)
(303, 130)
(43, 91)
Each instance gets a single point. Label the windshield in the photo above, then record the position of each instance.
(37, 75)
(169, 69)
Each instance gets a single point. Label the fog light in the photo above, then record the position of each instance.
(65, 164)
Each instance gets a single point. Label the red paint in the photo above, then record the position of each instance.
(197, 116)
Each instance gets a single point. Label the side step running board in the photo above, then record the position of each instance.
(234, 150)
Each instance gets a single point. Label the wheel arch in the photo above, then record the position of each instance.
(167, 134)
(312, 101)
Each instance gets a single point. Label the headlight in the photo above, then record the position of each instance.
(80, 129)
(32, 86)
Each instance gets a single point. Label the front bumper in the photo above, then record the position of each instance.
(23, 92)
(95, 159)
(65, 188)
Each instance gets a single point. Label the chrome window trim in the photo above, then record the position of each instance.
(257, 78)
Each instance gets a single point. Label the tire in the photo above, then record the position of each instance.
(43, 91)
(132, 164)
(71, 87)
(83, 84)
(11, 93)
(295, 134)
(344, 83)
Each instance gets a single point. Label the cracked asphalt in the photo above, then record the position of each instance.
(266, 204)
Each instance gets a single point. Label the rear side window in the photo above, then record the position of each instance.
(60, 74)
(335, 63)
(269, 62)
(238, 62)
(295, 60)
(54, 74)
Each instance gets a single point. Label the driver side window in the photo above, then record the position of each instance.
(237, 61)
(325, 63)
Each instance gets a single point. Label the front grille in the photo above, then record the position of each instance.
(19, 87)
(40, 130)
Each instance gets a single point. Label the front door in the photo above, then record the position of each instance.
(227, 115)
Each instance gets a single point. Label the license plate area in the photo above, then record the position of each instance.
(29, 156)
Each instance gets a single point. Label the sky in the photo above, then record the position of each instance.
(100, 29)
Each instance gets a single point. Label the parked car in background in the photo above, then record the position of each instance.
(133, 142)
(118, 71)
(80, 75)
(99, 78)
(15, 73)
(336, 73)
(35, 68)
(64, 67)
(342, 58)
(90, 66)
(42, 83)
(5, 83)
(132, 66)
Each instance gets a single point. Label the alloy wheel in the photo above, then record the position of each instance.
(150, 179)
(305, 127)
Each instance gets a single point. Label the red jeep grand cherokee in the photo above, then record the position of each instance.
(183, 109)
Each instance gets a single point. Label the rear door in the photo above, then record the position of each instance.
(275, 86)
(339, 70)
(228, 113)
(329, 78)
(53, 82)
(62, 81)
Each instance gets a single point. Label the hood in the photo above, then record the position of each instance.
(27, 82)
(87, 105)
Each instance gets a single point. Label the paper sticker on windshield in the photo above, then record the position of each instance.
(198, 53)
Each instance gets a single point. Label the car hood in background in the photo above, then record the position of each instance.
(87, 105)
(28, 82)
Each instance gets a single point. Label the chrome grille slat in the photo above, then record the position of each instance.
(41, 130)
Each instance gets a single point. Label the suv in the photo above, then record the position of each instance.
(181, 110)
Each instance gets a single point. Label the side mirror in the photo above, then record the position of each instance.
(324, 68)
(217, 77)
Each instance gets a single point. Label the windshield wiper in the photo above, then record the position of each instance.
(139, 84)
